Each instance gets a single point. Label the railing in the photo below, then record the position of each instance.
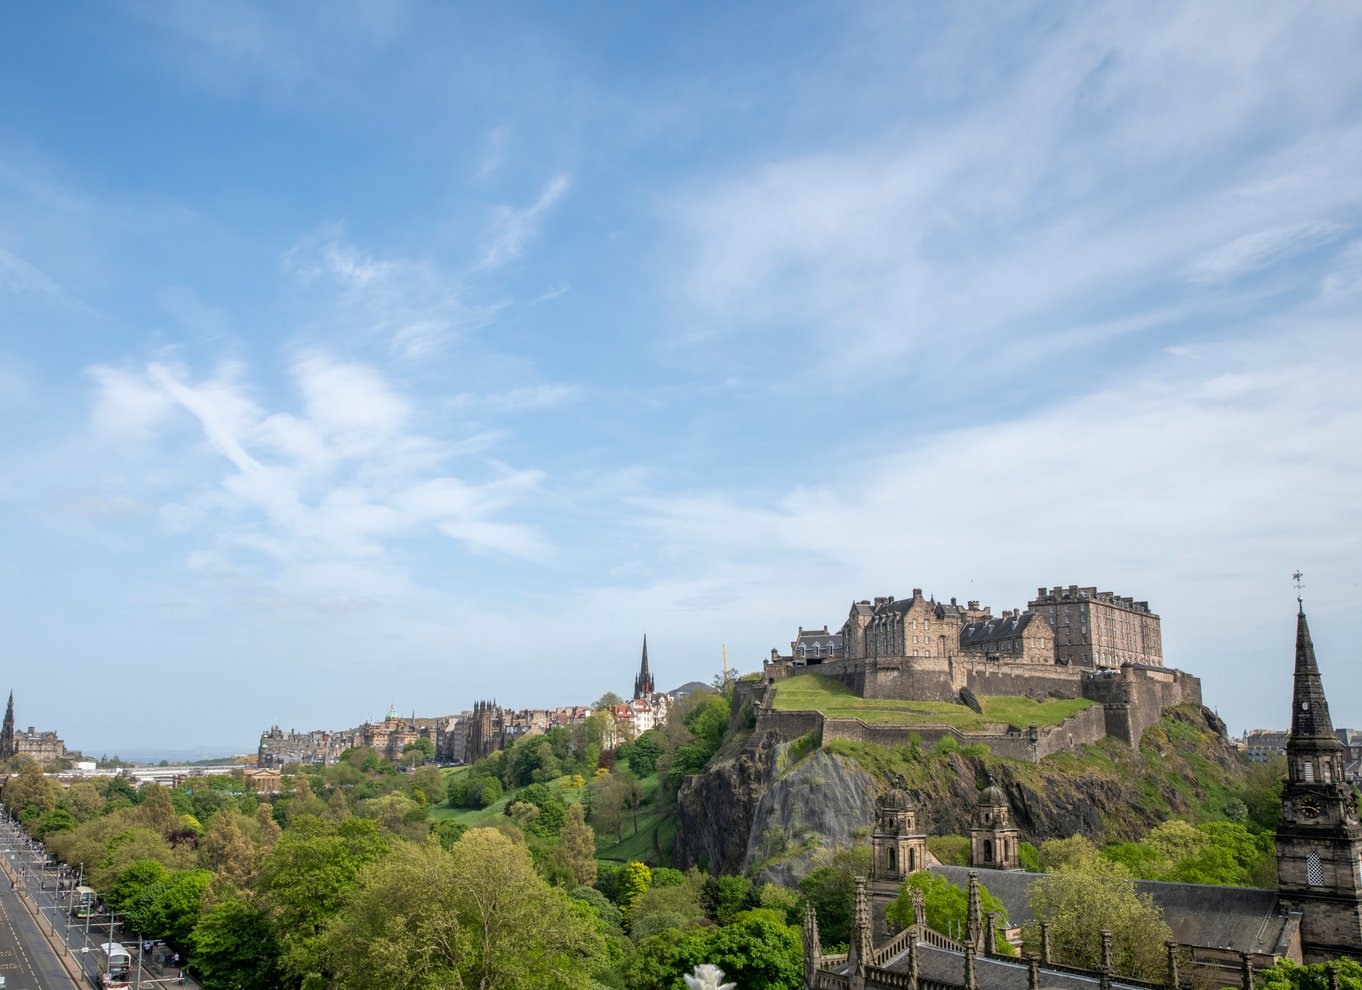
(831, 981)
(938, 941)
(894, 946)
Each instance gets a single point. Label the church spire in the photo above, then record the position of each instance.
(1310, 722)
(643, 683)
(7, 732)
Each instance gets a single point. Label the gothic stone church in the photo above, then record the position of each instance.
(1315, 915)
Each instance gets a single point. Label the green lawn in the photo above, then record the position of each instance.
(815, 692)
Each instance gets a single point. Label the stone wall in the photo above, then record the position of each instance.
(1031, 744)
(1130, 700)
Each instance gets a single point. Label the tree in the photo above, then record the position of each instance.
(1287, 975)
(757, 952)
(607, 804)
(637, 879)
(577, 847)
(234, 945)
(227, 851)
(30, 789)
(945, 906)
(142, 874)
(707, 722)
(643, 753)
(474, 916)
(430, 781)
(419, 751)
(829, 889)
(607, 700)
(305, 881)
(1080, 904)
(168, 909)
(156, 811)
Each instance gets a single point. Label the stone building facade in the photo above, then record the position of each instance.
(1098, 628)
(1014, 636)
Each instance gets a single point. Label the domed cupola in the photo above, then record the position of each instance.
(993, 838)
(898, 847)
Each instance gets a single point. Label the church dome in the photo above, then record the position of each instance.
(992, 796)
(897, 799)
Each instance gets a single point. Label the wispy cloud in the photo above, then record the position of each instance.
(413, 305)
(336, 481)
(1261, 249)
(17, 275)
(868, 255)
(513, 227)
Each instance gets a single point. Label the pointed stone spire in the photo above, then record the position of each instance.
(1310, 720)
(974, 915)
(860, 950)
(812, 949)
(643, 683)
(7, 732)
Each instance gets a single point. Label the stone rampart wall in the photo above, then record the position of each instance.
(1082, 728)
(1130, 699)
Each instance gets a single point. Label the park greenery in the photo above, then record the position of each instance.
(541, 865)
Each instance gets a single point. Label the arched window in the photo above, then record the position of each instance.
(893, 860)
(912, 860)
(988, 850)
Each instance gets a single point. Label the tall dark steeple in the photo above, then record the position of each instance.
(1319, 838)
(1311, 726)
(7, 732)
(643, 683)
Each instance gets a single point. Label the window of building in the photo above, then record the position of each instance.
(1314, 870)
(1308, 772)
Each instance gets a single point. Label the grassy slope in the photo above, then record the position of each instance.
(815, 692)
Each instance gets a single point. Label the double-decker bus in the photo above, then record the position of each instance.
(84, 901)
(115, 966)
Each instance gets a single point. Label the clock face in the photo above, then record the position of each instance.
(1310, 807)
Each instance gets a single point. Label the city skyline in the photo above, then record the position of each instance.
(387, 351)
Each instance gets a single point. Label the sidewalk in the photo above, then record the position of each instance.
(43, 902)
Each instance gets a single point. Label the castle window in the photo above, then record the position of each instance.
(1314, 870)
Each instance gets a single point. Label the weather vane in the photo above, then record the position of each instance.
(1296, 580)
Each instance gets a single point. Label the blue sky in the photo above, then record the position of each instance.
(357, 354)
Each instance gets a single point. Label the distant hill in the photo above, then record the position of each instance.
(690, 687)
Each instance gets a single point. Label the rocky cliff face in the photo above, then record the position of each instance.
(772, 808)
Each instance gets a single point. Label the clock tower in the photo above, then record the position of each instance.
(1319, 839)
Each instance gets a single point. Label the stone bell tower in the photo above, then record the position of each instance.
(1319, 838)
(898, 848)
(993, 839)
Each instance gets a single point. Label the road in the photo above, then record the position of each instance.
(27, 961)
(78, 938)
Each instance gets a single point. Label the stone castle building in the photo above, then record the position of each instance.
(1315, 914)
(1074, 642)
(1098, 629)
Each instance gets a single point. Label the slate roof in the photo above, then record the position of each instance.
(994, 629)
(947, 966)
(1239, 918)
(995, 974)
